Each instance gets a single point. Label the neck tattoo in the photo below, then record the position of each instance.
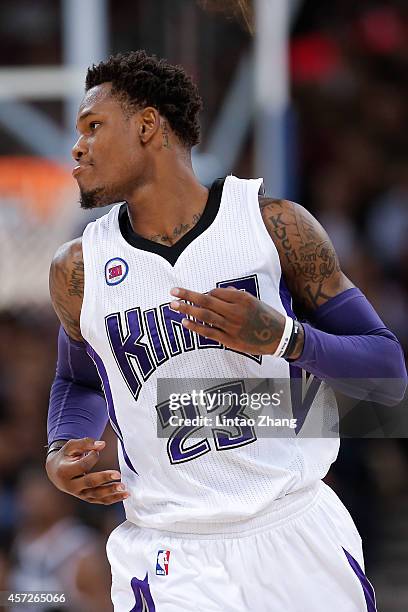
(165, 131)
(176, 233)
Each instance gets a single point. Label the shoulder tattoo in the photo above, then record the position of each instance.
(67, 286)
(308, 258)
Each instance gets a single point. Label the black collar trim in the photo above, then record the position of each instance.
(173, 252)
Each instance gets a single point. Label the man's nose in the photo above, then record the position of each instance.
(79, 149)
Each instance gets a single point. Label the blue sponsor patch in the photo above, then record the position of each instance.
(116, 271)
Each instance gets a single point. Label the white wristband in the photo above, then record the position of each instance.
(287, 332)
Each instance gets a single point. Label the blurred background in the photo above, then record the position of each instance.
(315, 102)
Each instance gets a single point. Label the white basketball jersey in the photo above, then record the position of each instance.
(192, 483)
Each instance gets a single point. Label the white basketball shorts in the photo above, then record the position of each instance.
(305, 557)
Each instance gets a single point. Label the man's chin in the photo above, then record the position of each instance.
(95, 198)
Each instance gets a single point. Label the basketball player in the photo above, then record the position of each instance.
(178, 281)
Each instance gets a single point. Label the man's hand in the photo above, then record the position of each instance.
(235, 318)
(69, 470)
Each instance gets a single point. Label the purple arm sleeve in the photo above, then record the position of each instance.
(77, 406)
(348, 340)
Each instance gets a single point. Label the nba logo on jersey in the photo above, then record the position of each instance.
(116, 271)
(162, 563)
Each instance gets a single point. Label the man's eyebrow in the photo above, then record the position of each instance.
(85, 115)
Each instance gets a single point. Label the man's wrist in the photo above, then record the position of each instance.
(55, 446)
(296, 343)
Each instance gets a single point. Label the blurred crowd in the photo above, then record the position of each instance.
(48, 540)
(350, 90)
(349, 65)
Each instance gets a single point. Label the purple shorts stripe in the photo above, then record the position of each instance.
(365, 583)
(143, 597)
(109, 400)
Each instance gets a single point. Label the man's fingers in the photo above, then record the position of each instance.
(105, 494)
(96, 479)
(106, 501)
(73, 448)
(201, 314)
(204, 330)
(70, 470)
(86, 463)
(230, 295)
(209, 300)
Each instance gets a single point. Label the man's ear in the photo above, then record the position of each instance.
(149, 123)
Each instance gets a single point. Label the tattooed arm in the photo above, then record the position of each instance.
(67, 286)
(77, 413)
(348, 339)
(308, 259)
(311, 270)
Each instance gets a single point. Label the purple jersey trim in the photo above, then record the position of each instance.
(109, 400)
(365, 583)
(301, 405)
(286, 298)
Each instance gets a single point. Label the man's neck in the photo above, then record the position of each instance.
(169, 206)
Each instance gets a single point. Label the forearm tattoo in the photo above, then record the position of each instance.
(262, 327)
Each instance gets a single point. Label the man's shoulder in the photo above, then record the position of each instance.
(270, 205)
(68, 253)
(278, 213)
(72, 247)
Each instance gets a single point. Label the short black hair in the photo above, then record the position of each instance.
(142, 80)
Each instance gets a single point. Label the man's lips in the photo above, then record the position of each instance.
(79, 168)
